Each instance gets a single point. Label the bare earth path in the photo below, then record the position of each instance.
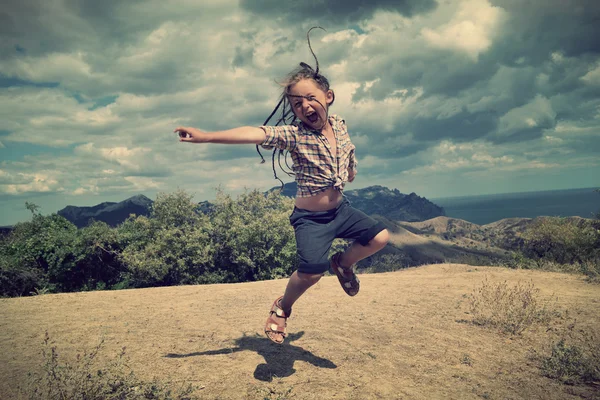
(400, 338)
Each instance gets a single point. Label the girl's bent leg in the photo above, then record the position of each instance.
(298, 284)
(357, 251)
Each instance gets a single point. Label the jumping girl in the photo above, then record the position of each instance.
(323, 161)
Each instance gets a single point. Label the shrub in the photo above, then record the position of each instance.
(591, 269)
(38, 253)
(573, 363)
(562, 240)
(562, 245)
(171, 247)
(49, 253)
(387, 262)
(16, 280)
(510, 308)
(253, 237)
(97, 263)
(88, 379)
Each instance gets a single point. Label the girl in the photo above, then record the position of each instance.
(323, 161)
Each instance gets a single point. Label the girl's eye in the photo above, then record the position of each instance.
(311, 98)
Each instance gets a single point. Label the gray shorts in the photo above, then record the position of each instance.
(315, 231)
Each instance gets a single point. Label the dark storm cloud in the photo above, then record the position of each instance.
(437, 72)
(387, 149)
(335, 11)
(43, 27)
(461, 127)
(538, 29)
(539, 50)
(243, 56)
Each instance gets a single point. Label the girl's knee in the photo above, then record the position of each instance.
(381, 239)
(309, 278)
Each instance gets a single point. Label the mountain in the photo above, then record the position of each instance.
(389, 203)
(451, 239)
(111, 213)
(373, 200)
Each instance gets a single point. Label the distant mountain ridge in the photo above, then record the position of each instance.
(373, 200)
(394, 205)
(110, 212)
(389, 203)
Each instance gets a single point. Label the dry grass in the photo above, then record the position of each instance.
(87, 379)
(512, 308)
(402, 337)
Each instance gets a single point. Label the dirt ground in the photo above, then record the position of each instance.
(405, 336)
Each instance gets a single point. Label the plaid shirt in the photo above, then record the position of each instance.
(313, 163)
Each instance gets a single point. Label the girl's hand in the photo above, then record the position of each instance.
(191, 135)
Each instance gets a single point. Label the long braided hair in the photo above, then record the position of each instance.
(287, 116)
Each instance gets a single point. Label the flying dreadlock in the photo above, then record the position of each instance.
(287, 114)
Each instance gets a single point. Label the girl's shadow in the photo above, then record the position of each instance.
(279, 358)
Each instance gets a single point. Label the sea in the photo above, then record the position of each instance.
(484, 209)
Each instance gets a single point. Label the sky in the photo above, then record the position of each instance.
(441, 98)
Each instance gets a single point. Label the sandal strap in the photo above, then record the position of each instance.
(277, 310)
(275, 326)
(350, 284)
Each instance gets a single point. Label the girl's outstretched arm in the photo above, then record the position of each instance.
(244, 134)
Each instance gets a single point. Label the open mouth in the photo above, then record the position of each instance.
(312, 118)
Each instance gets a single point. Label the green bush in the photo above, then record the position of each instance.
(573, 363)
(387, 262)
(171, 247)
(243, 239)
(16, 280)
(562, 240)
(49, 253)
(97, 262)
(562, 244)
(253, 237)
(39, 253)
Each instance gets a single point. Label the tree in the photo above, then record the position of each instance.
(252, 236)
(170, 247)
(97, 262)
(37, 254)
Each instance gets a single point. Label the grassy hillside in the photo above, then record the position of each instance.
(408, 335)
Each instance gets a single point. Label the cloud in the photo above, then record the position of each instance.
(131, 162)
(527, 121)
(31, 183)
(593, 76)
(334, 11)
(533, 26)
(438, 96)
(471, 30)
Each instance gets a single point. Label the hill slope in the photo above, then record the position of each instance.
(111, 213)
(380, 200)
(403, 336)
(372, 200)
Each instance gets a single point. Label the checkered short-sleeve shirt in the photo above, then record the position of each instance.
(315, 168)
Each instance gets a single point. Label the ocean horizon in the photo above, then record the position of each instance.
(484, 209)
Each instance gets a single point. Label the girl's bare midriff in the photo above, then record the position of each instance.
(323, 201)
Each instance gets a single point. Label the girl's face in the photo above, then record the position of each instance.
(308, 101)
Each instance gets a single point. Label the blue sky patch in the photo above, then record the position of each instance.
(6, 82)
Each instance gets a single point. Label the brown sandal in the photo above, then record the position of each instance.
(350, 284)
(277, 322)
